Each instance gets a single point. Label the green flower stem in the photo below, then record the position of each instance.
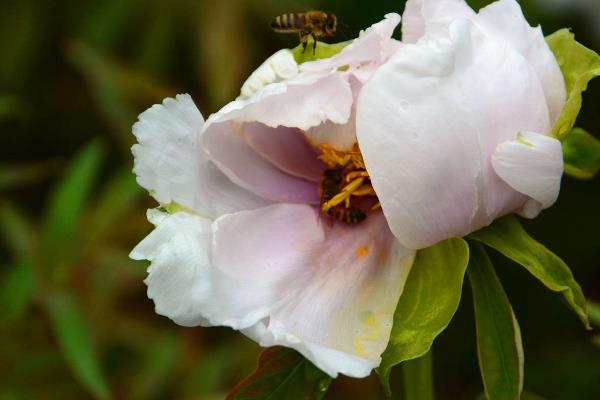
(418, 378)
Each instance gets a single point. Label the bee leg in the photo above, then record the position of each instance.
(314, 44)
(304, 41)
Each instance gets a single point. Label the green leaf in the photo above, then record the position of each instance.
(117, 91)
(524, 396)
(581, 154)
(156, 366)
(17, 232)
(417, 378)
(282, 373)
(507, 236)
(594, 310)
(16, 291)
(499, 346)
(119, 195)
(74, 341)
(60, 223)
(323, 50)
(579, 65)
(430, 298)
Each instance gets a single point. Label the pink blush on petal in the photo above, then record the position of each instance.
(286, 148)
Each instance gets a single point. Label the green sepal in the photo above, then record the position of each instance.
(507, 236)
(323, 50)
(430, 298)
(499, 346)
(579, 65)
(174, 207)
(581, 154)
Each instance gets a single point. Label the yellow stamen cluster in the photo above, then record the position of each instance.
(355, 176)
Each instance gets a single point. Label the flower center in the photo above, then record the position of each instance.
(345, 187)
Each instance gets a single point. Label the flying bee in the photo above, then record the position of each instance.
(331, 184)
(312, 23)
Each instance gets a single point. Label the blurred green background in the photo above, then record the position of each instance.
(75, 320)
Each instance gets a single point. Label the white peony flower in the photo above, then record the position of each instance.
(301, 203)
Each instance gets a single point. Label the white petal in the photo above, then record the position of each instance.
(328, 292)
(420, 15)
(170, 164)
(167, 156)
(532, 164)
(502, 19)
(339, 136)
(279, 66)
(179, 274)
(505, 19)
(428, 122)
(293, 103)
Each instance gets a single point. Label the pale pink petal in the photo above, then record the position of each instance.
(244, 166)
(329, 292)
(505, 19)
(422, 15)
(530, 209)
(259, 253)
(217, 195)
(428, 122)
(372, 46)
(293, 103)
(339, 136)
(532, 164)
(286, 148)
(171, 165)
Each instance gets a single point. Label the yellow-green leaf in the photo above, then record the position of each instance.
(430, 298)
(581, 154)
(579, 65)
(499, 346)
(507, 236)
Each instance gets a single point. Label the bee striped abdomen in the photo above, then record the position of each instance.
(292, 22)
